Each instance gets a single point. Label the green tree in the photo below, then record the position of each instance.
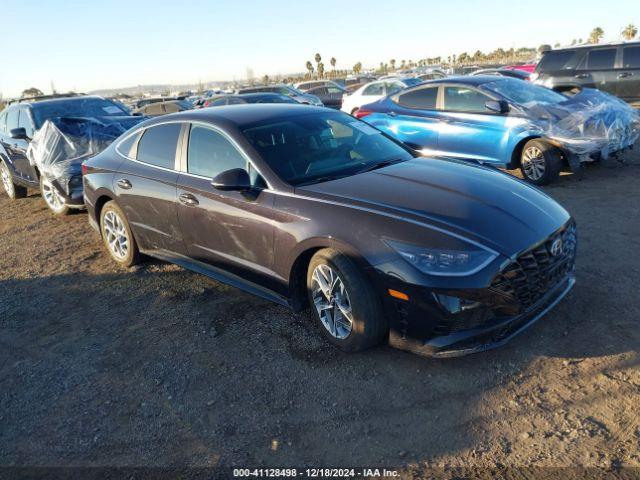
(321, 70)
(32, 92)
(596, 35)
(392, 62)
(629, 32)
(357, 68)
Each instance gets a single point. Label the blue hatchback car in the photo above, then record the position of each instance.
(507, 122)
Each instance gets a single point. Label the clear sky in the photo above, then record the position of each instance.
(92, 44)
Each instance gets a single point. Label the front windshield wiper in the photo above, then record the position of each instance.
(382, 164)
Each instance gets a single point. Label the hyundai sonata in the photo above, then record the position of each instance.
(313, 208)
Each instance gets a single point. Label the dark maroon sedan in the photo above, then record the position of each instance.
(310, 207)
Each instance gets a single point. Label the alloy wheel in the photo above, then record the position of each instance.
(6, 179)
(331, 301)
(533, 163)
(116, 235)
(54, 200)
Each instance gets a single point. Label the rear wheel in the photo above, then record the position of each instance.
(56, 202)
(540, 163)
(117, 235)
(13, 191)
(343, 302)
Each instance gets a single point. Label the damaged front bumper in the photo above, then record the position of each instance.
(477, 340)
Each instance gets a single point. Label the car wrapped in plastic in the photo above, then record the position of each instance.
(508, 123)
(60, 146)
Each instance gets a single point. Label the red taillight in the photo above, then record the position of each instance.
(361, 113)
(85, 169)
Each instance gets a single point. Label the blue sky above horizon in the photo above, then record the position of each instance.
(83, 45)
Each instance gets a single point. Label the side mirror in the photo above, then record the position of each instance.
(234, 179)
(18, 133)
(496, 106)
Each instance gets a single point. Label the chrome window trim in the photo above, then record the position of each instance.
(179, 147)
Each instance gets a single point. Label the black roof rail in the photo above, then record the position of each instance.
(44, 97)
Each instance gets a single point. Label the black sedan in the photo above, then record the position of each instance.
(329, 95)
(310, 207)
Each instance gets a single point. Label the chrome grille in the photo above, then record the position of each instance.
(540, 268)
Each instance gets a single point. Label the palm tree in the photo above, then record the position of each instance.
(310, 69)
(333, 62)
(265, 79)
(392, 62)
(595, 35)
(629, 32)
(321, 70)
(357, 68)
(318, 59)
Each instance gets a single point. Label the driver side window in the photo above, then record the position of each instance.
(464, 99)
(210, 153)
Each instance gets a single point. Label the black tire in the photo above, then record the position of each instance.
(12, 190)
(132, 255)
(51, 200)
(540, 162)
(368, 325)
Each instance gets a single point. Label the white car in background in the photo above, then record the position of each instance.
(375, 91)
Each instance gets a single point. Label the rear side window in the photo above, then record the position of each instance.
(603, 59)
(557, 60)
(631, 57)
(158, 145)
(422, 99)
(154, 109)
(127, 144)
(210, 153)
(463, 99)
(374, 89)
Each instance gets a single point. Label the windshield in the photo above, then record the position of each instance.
(522, 93)
(75, 107)
(323, 146)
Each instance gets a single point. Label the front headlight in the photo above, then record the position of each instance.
(444, 262)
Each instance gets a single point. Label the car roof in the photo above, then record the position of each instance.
(473, 80)
(616, 43)
(242, 115)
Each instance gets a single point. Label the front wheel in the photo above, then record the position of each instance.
(540, 163)
(13, 191)
(343, 302)
(56, 202)
(117, 235)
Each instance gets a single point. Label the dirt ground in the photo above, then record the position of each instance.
(157, 366)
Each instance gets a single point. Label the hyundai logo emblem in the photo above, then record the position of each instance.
(556, 247)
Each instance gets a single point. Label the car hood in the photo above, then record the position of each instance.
(588, 122)
(472, 201)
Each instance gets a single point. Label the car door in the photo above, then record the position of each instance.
(468, 130)
(597, 69)
(372, 92)
(628, 75)
(229, 230)
(415, 120)
(16, 148)
(145, 185)
(25, 121)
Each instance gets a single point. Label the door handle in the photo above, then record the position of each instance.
(625, 75)
(188, 199)
(124, 184)
(581, 75)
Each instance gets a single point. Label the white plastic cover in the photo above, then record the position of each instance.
(591, 122)
(60, 145)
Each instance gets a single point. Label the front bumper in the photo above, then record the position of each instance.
(74, 198)
(485, 338)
